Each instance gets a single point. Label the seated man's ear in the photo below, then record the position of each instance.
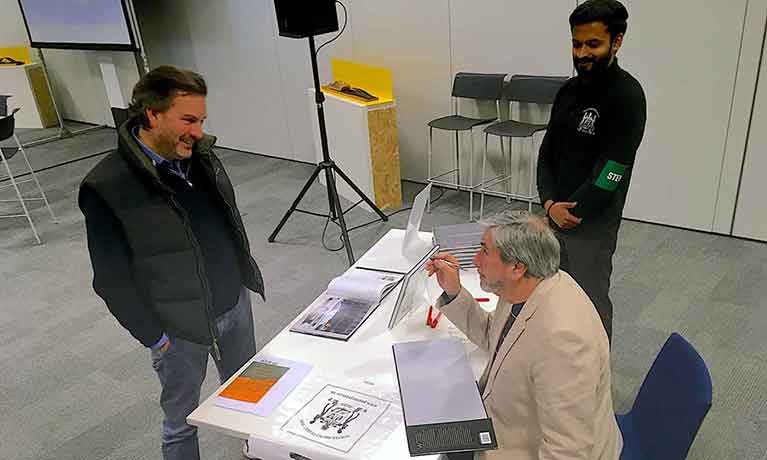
(517, 270)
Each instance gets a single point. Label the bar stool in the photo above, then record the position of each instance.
(477, 86)
(534, 89)
(7, 125)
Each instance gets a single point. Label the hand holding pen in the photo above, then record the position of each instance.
(447, 270)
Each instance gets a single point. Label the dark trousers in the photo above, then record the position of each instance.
(587, 255)
(182, 369)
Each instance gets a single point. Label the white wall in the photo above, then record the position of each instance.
(685, 54)
(737, 136)
(12, 30)
(750, 218)
(79, 87)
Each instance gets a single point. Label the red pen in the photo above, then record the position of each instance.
(482, 299)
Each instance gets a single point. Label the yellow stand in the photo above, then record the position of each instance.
(375, 80)
(18, 53)
(381, 123)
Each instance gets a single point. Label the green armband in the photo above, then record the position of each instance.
(611, 176)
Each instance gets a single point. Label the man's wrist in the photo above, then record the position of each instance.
(160, 343)
(447, 298)
(547, 206)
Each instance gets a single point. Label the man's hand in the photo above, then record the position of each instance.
(165, 347)
(560, 214)
(446, 267)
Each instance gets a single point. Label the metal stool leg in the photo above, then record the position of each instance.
(428, 166)
(21, 198)
(457, 162)
(471, 176)
(532, 175)
(482, 187)
(506, 167)
(37, 182)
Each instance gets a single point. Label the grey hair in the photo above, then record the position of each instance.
(526, 239)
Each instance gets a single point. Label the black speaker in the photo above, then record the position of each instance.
(304, 18)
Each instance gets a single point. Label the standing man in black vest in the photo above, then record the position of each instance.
(170, 255)
(586, 157)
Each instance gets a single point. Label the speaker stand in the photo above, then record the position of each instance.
(330, 168)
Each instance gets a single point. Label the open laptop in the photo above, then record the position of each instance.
(412, 248)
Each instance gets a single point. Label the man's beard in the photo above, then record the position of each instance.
(496, 287)
(168, 145)
(599, 66)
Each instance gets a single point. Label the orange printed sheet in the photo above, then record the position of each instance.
(263, 385)
(254, 382)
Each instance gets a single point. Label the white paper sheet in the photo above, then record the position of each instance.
(363, 285)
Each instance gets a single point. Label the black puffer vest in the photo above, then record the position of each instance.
(167, 261)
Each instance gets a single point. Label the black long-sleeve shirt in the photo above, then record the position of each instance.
(588, 152)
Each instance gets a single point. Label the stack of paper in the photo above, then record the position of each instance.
(461, 240)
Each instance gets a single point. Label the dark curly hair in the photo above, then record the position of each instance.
(611, 12)
(156, 90)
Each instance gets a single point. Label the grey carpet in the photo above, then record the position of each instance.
(76, 386)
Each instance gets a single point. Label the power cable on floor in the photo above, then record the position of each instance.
(328, 220)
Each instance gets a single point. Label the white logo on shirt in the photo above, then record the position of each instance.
(589, 121)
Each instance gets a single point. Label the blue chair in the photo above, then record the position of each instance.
(670, 407)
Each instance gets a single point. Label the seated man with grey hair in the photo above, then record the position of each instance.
(547, 384)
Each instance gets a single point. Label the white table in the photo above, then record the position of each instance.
(367, 356)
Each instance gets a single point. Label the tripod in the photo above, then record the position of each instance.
(330, 168)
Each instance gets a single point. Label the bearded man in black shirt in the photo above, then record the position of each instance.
(587, 155)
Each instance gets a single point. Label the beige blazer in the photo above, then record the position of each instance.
(548, 389)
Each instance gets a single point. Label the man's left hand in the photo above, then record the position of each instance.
(560, 214)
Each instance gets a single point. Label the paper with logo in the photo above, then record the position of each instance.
(337, 417)
(262, 385)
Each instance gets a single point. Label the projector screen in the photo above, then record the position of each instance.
(78, 24)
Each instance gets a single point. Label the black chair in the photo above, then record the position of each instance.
(477, 86)
(7, 125)
(4, 104)
(535, 89)
(120, 116)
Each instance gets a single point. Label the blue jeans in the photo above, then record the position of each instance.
(181, 369)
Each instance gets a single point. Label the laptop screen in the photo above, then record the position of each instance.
(412, 243)
(413, 290)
